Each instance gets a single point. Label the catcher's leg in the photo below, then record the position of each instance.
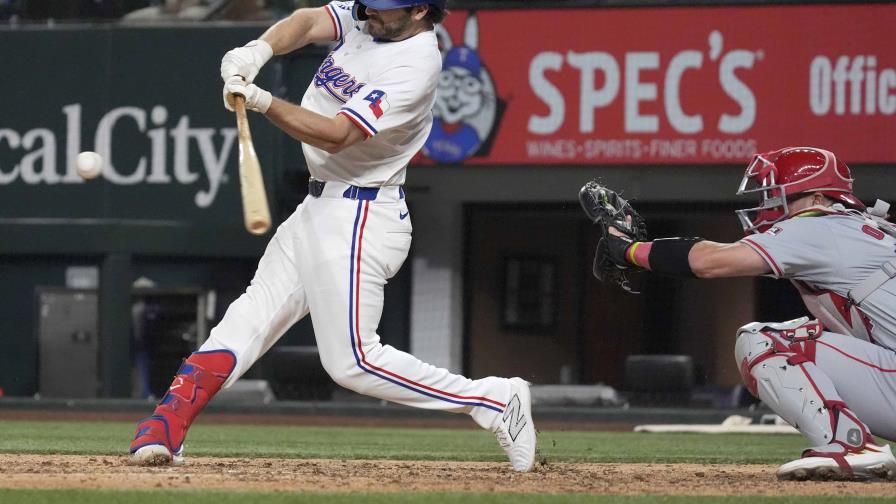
(777, 365)
(273, 302)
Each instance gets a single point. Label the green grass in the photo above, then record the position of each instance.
(99, 438)
(112, 438)
(217, 497)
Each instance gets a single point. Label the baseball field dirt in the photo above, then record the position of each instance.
(295, 475)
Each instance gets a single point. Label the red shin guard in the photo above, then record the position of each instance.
(197, 381)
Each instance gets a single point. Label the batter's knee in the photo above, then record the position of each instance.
(342, 371)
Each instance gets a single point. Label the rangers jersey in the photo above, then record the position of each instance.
(827, 252)
(385, 88)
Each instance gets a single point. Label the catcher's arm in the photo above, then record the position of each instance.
(623, 247)
(708, 259)
(724, 260)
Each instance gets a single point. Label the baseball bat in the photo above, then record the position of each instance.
(256, 216)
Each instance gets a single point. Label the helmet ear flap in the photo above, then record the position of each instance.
(359, 11)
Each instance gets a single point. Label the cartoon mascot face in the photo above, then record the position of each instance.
(460, 88)
(465, 110)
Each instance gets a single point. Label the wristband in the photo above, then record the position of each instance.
(261, 50)
(669, 256)
(638, 253)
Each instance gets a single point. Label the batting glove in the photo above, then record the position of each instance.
(246, 61)
(257, 99)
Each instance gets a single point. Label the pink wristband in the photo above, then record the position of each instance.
(637, 254)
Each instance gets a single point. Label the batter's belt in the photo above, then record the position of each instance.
(335, 189)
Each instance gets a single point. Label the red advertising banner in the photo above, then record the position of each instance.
(706, 85)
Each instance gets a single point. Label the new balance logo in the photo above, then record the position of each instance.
(513, 415)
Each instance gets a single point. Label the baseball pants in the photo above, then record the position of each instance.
(332, 258)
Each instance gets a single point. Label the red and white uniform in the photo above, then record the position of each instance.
(334, 255)
(827, 252)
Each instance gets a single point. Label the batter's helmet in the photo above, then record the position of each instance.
(779, 176)
(361, 15)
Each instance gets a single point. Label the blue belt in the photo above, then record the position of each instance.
(316, 189)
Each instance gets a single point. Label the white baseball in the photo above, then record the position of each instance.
(89, 164)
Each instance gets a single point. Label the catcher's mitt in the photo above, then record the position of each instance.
(606, 208)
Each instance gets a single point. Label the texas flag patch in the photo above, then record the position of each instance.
(378, 103)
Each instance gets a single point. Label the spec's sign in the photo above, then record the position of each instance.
(665, 85)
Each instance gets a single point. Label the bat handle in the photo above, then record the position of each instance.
(239, 107)
(256, 214)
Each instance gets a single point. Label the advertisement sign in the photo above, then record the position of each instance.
(707, 85)
(152, 111)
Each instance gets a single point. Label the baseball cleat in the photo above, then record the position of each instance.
(151, 444)
(516, 432)
(156, 455)
(873, 462)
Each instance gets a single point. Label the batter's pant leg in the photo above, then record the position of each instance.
(366, 244)
(273, 302)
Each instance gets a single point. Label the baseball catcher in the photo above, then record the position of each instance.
(832, 377)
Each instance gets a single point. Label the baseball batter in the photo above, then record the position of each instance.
(365, 114)
(833, 378)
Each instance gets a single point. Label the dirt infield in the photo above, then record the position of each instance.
(76, 471)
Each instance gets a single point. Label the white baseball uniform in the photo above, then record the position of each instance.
(333, 256)
(826, 253)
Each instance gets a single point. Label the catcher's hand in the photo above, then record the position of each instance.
(607, 209)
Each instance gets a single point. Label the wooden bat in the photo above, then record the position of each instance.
(256, 215)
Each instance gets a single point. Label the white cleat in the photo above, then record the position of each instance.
(156, 455)
(874, 462)
(516, 433)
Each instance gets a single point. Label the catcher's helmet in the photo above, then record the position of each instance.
(780, 175)
(360, 13)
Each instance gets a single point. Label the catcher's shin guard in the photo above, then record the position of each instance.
(777, 365)
(159, 438)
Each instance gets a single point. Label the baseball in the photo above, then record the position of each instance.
(89, 164)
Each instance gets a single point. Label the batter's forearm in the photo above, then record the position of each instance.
(301, 28)
(327, 133)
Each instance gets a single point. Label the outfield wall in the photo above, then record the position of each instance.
(149, 100)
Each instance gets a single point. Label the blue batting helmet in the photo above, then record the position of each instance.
(392, 4)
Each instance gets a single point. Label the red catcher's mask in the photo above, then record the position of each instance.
(782, 174)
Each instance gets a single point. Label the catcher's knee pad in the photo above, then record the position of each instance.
(757, 341)
(776, 362)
